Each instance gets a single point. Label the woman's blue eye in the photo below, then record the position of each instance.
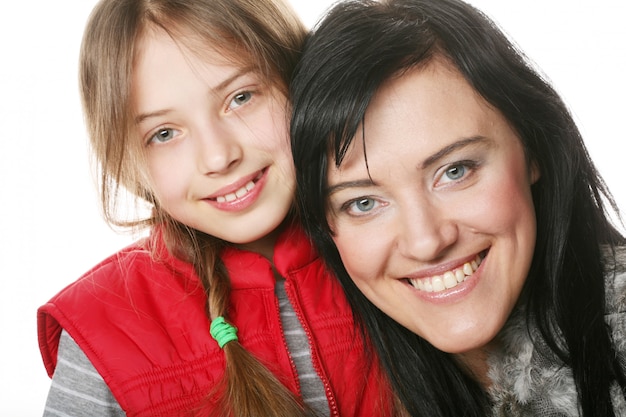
(240, 99)
(364, 204)
(162, 135)
(455, 172)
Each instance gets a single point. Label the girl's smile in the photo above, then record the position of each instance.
(215, 139)
(241, 194)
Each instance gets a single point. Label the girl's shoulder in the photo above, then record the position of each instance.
(145, 262)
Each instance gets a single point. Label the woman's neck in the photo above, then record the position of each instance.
(475, 364)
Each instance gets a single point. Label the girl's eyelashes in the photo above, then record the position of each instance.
(239, 99)
(162, 135)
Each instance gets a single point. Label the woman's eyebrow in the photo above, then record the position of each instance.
(349, 184)
(429, 161)
(462, 143)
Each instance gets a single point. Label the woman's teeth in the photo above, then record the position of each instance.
(237, 194)
(447, 280)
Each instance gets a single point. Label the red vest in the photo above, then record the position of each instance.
(142, 324)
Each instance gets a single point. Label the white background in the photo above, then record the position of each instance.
(50, 227)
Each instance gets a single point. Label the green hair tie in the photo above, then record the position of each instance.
(223, 332)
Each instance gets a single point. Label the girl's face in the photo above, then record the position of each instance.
(438, 229)
(216, 140)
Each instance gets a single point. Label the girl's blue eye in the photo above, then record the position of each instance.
(162, 135)
(240, 99)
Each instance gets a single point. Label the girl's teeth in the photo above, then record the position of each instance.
(237, 194)
(449, 279)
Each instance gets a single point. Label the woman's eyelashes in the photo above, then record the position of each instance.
(456, 172)
(361, 206)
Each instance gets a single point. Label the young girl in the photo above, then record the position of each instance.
(224, 309)
(461, 212)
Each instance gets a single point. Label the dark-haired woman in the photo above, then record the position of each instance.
(447, 186)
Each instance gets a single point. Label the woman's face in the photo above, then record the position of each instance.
(216, 141)
(437, 227)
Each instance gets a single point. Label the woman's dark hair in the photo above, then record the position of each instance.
(350, 54)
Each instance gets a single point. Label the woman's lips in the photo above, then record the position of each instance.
(448, 279)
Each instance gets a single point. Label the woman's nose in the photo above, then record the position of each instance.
(425, 231)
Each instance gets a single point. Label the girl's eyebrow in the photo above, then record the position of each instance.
(144, 116)
(429, 161)
(224, 84)
(218, 88)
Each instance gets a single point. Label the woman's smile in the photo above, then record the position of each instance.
(448, 279)
(437, 226)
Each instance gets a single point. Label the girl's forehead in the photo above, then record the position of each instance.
(158, 49)
(157, 42)
(189, 44)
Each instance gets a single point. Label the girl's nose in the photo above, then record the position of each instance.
(218, 151)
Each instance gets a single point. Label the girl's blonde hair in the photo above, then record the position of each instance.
(263, 34)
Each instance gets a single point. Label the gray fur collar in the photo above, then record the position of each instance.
(528, 380)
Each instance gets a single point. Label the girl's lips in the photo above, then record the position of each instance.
(240, 195)
(235, 187)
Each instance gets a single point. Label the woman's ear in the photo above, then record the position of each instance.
(330, 219)
(534, 171)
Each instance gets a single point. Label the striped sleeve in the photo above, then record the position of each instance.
(312, 387)
(77, 389)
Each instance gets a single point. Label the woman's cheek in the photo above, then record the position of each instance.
(362, 250)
